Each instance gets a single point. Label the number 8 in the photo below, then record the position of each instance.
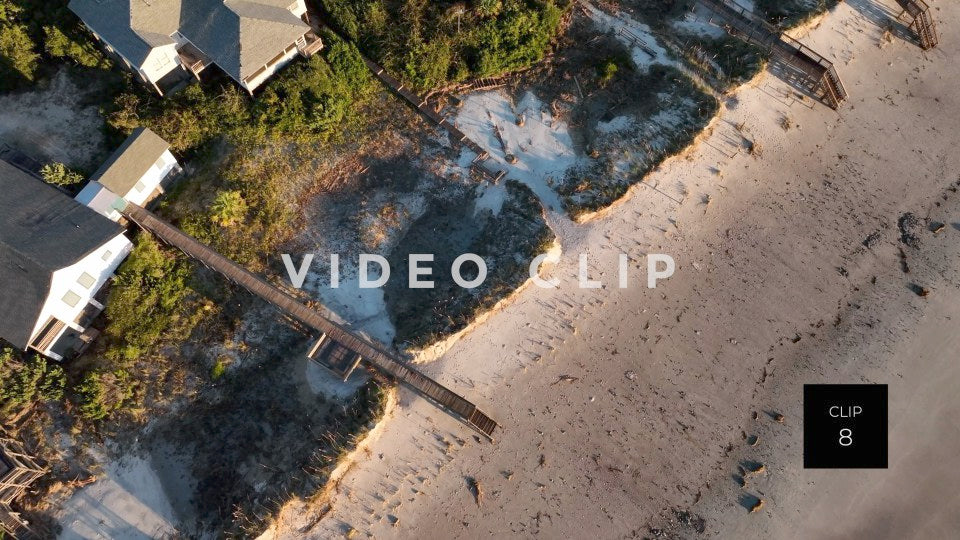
(846, 439)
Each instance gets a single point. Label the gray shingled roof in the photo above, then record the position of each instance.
(240, 36)
(131, 161)
(41, 231)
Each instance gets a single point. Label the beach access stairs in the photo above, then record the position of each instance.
(338, 349)
(816, 74)
(921, 22)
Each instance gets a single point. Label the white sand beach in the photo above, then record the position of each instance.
(618, 406)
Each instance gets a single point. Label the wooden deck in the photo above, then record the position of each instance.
(819, 75)
(370, 353)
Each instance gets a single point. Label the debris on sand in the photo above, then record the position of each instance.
(753, 440)
(757, 506)
(630, 375)
(690, 520)
(903, 262)
(565, 378)
(779, 418)
(919, 291)
(937, 227)
(474, 486)
(872, 239)
(909, 226)
(756, 469)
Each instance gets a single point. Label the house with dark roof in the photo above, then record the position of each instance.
(134, 172)
(55, 256)
(162, 40)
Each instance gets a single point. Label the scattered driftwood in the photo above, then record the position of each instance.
(565, 378)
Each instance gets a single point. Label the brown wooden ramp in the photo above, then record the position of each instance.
(369, 352)
(820, 77)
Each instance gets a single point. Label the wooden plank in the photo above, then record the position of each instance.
(370, 352)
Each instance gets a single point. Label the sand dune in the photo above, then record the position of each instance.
(619, 406)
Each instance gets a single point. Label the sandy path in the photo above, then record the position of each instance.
(665, 380)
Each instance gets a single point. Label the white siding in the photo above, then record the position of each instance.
(100, 264)
(159, 62)
(251, 85)
(298, 8)
(151, 180)
(99, 198)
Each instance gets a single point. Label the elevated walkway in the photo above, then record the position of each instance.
(817, 74)
(348, 349)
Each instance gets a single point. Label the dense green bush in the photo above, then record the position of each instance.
(83, 52)
(148, 301)
(103, 392)
(431, 43)
(30, 29)
(59, 175)
(18, 61)
(24, 382)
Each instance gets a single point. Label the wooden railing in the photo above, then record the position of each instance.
(741, 22)
(373, 354)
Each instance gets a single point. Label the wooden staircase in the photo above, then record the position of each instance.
(819, 75)
(921, 23)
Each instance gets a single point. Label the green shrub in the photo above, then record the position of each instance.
(25, 382)
(432, 43)
(18, 59)
(607, 71)
(100, 393)
(219, 369)
(59, 175)
(58, 45)
(149, 301)
(228, 208)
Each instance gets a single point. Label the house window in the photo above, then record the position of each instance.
(71, 299)
(139, 186)
(106, 255)
(86, 280)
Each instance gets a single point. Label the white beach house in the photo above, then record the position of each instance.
(165, 41)
(55, 255)
(134, 172)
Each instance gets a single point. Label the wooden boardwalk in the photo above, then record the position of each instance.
(420, 104)
(921, 22)
(819, 75)
(359, 349)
